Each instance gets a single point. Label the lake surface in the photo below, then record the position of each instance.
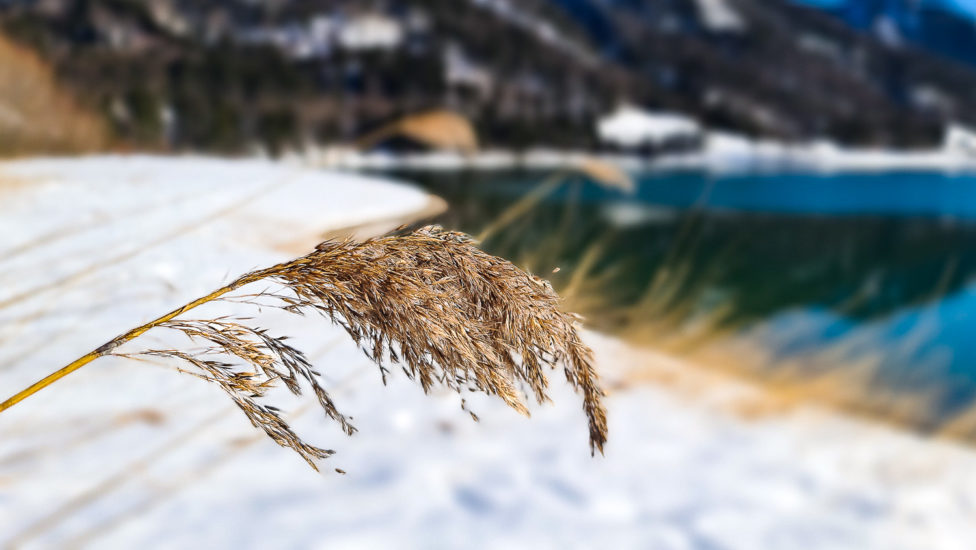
(820, 271)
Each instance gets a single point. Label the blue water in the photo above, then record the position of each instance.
(879, 266)
(895, 194)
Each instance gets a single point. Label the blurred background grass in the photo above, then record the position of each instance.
(36, 114)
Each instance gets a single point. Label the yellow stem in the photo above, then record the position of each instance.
(376, 136)
(526, 203)
(107, 347)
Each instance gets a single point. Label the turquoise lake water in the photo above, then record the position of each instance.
(876, 265)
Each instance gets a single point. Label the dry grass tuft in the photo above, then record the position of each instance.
(607, 174)
(429, 301)
(35, 115)
(439, 129)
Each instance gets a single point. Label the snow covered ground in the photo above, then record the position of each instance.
(130, 455)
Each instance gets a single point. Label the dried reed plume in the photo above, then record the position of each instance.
(607, 174)
(430, 301)
(440, 129)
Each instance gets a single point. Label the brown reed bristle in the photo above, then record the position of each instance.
(430, 301)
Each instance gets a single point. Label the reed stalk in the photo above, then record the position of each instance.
(111, 345)
(602, 173)
(430, 301)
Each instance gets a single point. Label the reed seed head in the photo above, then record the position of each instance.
(429, 301)
(440, 129)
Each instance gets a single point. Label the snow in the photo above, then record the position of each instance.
(540, 27)
(721, 152)
(369, 32)
(960, 139)
(629, 126)
(718, 16)
(460, 70)
(129, 455)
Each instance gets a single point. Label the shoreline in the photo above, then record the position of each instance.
(722, 154)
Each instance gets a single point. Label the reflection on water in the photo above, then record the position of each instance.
(865, 266)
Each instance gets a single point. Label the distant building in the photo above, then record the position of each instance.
(635, 130)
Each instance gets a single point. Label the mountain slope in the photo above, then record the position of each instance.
(786, 70)
(228, 76)
(945, 27)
